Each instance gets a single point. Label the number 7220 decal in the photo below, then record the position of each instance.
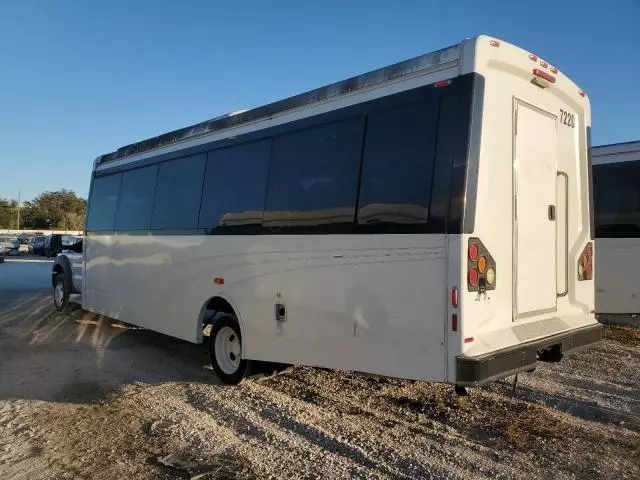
(568, 119)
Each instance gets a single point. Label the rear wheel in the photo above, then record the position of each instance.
(60, 293)
(225, 347)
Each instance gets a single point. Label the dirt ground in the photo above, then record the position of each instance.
(82, 398)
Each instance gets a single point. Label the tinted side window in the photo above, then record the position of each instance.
(103, 203)
(178, 193)
(234, 185)
(398, 165)
(136, 199)
(616, 197)
(313, 178)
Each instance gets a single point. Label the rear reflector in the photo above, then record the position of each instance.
(454, 322)
(468, 340)
(544, 75)
(454, 297)
(442, 83)
(585, 263)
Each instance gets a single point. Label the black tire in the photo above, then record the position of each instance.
(222, 322)
(60, 301)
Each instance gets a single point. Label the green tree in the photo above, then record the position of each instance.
(8, 214)
(61, 210)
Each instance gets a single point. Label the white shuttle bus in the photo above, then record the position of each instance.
(429, 220)
(616, 194)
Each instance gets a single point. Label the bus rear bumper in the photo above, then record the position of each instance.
(475, 371)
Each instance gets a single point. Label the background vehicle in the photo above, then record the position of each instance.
(38, 245)
(67, 273)
(429, 220)
(52, 245)
(616, 182)
(7, 243)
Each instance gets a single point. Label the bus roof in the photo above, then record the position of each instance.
(616, 152)
(414, 66)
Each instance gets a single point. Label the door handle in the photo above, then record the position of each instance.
(552, 212)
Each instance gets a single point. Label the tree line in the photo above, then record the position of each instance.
(59, 210)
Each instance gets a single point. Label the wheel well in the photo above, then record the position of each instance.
(213, 306)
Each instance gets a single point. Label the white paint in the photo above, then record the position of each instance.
(617, 275)
(535, 173)
(355, 302)
(489, 319)
(380, 303)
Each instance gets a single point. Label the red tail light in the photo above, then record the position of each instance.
(481, 267)
(585, 263)
(473, 252)
(474, 276)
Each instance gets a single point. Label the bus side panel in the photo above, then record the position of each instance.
(368, 303)
(617, 264)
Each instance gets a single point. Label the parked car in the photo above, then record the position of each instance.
(6, 244)
(52, 245)
(66, 274)
(13, 250)
(38, 245)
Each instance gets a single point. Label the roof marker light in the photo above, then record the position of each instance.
(544, 64)
(533, 57)
(494, 43)
(581, 93)
(544, 75)
(554, 70)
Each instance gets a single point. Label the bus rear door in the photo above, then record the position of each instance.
(534, 229)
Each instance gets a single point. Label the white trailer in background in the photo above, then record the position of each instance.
(616, 182)
(429, 220)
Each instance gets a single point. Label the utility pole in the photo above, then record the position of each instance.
(18, 227)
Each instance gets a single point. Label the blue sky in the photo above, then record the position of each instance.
(78, 79)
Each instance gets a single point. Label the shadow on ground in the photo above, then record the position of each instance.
(81, 357)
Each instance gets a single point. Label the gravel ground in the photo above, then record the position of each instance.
(83, 398)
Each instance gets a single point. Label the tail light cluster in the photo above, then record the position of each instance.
(481, 268)
(585, 263)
